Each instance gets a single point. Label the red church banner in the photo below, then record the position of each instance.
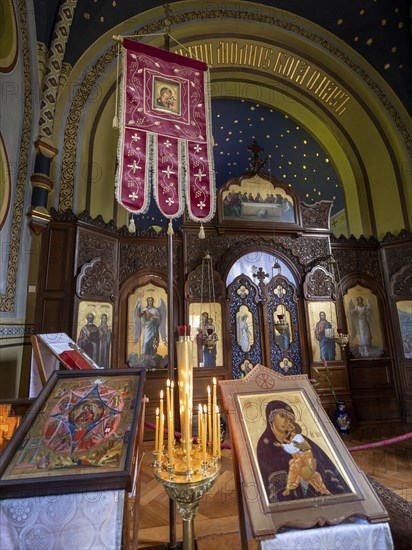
(165, 134)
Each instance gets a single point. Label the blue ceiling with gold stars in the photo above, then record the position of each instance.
(379, 30)
(294, 156)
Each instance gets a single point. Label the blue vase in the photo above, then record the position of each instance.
(222, 430)
(342, 418)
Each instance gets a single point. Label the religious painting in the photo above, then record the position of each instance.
(166, 95)
(286, 364)
(246, 367)
(323, 325)
(362, 314)
(78, 436)
(258, 200)
(205, 320)
(147, 327)
(292, 456)
(404, 308)
(94, 331)
(295, 470)
(244, 329)
(282, 324)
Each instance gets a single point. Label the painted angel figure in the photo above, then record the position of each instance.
(361, 316)
(243, 333)
(152, 321)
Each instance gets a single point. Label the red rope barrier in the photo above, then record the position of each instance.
(380, 443)
(350, 449)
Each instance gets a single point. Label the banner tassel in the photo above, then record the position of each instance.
(201, 232)
(132, 226)
(170, 228)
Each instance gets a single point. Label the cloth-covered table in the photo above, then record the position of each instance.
(80, 520)
(353, 534)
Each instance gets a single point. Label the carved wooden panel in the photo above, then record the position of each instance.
(358, 256)
(319, 284)
(148, 255)
(401, 282)
(96, 279)
(316, 215)
(398, 251)
(303, 250)
(194, 285)
(92, 244)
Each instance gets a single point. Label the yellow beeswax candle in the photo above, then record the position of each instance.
(162, 423)
(204, 434)
(170, 444)
(219, 450)
(209, 416)
(168, 408)
(199, 425)
(172, 387)
(157, 431)
(161, 434)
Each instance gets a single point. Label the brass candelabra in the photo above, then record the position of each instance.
(187, 468)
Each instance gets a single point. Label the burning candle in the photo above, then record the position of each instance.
(199, 425)
(215, 438)
(157, 431)
(161, 426)
(204, 434)
(209, 416)
(219, 450)
(214, 412)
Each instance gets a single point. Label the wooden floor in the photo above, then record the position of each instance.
(216, 523)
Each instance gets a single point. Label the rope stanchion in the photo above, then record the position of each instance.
(380, 443)
(350, 449)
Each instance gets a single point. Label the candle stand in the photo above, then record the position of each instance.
(186, 487)
(188, 468)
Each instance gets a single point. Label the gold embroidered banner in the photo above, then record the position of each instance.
(165, 134)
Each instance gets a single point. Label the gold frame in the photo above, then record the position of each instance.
(244, 401)
(82, 434)
(314, 309)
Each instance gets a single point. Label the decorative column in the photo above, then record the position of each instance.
(40, 180)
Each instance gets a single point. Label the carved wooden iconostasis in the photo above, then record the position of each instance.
(266, 268)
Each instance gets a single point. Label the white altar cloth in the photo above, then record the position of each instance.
(354, 534)
(63, 522)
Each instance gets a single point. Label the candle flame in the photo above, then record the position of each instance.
(208, 389)
(214, 380)
(157, 411)
(161, 394)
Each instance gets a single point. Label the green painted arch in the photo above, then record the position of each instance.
(368, 144)
(9, 37)
(5, 183)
